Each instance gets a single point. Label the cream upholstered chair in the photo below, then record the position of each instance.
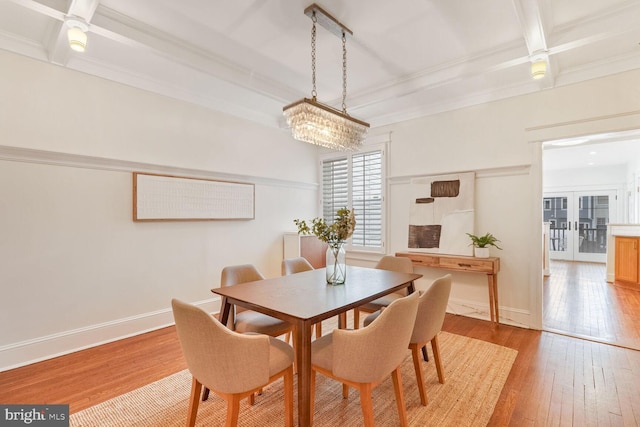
(432, 307)
(295, 265)
(387, 262)
(245, 320)
(233, 365)
(298, 265)
(363, 358)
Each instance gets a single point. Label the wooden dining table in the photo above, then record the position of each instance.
(303, 299)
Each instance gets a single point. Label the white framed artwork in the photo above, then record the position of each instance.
(442, 213)
(170, 198)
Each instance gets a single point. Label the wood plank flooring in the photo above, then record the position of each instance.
(556, 380)
(578, 301)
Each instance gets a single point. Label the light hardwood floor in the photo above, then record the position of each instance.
(556, 380)
(578, 301)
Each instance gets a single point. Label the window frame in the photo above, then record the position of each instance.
(335, 155)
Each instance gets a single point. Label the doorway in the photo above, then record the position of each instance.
(578, 224)
(585, 190)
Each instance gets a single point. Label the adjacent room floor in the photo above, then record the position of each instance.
(579, 302)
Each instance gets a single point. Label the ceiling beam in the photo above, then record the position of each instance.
(58, 47)
(533, 30)
(123, 29)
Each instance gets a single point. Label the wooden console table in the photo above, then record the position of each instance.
(489, 266)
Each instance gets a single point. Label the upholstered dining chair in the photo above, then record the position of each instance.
(245, 320)
(299, 265)
(233, 365)
(363, 358)
(295, 265)
(432, 307)
(387, 262)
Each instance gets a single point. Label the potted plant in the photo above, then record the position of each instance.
(481, 244)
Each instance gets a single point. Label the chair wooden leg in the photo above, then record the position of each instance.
(288, 397)
(417, 367)
(345, 391)
(367, 404)
(194, 401)
(356, 318)
(205, 394)
(436, 355)
(425, 356)
(318, 330)
(233, 409)
(402, 408)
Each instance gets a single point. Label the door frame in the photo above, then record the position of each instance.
(547, 130)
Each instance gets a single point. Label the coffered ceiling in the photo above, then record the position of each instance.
(406, 59)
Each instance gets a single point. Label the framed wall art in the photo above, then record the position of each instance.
(441, 213)
(170, 198)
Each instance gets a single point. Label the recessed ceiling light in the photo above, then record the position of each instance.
(593, 153)
(590, 163)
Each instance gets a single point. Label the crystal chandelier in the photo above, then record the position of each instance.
(316, 123)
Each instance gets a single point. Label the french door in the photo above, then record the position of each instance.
(578, 224)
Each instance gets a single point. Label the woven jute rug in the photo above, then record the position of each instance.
(475, 372)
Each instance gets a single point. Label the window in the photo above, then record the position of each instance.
(355, 181)
(547, 204)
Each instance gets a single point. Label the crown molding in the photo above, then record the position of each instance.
(28, 155)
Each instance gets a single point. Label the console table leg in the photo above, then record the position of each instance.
(492, 307)
(494, 280)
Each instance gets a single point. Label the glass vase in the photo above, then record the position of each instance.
(336, 264)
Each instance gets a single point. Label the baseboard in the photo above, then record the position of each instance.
(476, 310)
(35, 350)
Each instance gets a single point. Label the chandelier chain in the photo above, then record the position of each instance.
(344, 73)
(316, 123)
(314, 93)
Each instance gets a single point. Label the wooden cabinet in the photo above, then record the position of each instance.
(627, 259)
(310, 247)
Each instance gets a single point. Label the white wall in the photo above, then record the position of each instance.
(75, 270)
(610, 178)
(579, 179)
(73, 259)
(501, 142)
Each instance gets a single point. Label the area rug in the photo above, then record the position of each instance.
(475, 372)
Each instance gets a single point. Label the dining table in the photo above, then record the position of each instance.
(304, 299)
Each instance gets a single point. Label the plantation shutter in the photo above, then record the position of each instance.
(335, 187)
(355, 182)
(367, 198)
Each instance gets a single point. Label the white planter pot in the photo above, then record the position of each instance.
(481, 252)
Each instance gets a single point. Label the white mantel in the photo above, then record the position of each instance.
(613, 230)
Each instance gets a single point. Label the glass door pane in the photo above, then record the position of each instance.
(592, 219)
(555, 212)
(578, 224)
